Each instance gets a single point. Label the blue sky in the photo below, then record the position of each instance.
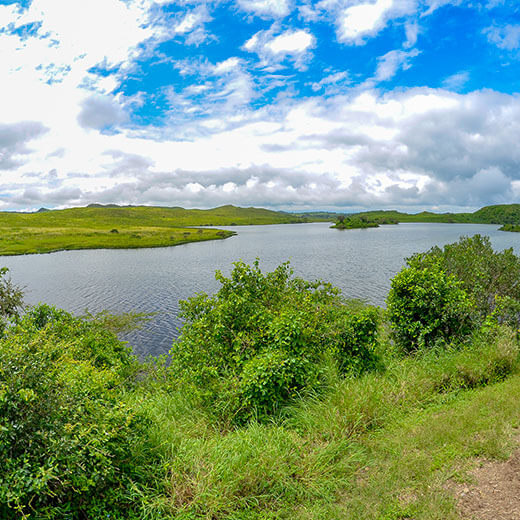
(289, 104)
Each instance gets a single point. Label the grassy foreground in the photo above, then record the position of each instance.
(122, 227)
(281, 400)
(380, 447)
(116, 439)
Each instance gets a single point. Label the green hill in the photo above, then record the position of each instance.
(498, 214)
(112, 226)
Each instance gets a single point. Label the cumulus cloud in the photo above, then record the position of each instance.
(243, 125)
(362, 20)
(267, 8)
(416, 148)
(99, 112)
(14, 139)
(273, 48)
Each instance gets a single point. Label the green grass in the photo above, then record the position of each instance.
(382, 446)
(91, 227)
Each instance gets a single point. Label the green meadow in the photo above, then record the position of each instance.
(123, 227)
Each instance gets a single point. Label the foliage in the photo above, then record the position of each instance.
(11, 299)
(513, 228)
(119, 323)
(319, 460)
(67, 439)
(259, 340)
(490, 278)
(498, 214)
(354, 222)
(427, 306)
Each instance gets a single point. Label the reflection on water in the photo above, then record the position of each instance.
(360, 262)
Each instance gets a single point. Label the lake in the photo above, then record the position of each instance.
(360, 262)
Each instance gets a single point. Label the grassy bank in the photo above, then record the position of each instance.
(280, 400)
(497, 214)
(381, 447)
(122, 227)
(120, 440)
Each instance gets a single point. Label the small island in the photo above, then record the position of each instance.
(361, 222)
(513, 228)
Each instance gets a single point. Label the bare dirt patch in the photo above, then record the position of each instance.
(496, 492)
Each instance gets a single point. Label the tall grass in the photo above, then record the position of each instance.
(318, 449)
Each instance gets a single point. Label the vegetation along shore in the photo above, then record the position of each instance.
(113, 227)
(280, 400)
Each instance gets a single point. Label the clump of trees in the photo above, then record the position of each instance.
(261, 340)
(354, 222)
(444, 295)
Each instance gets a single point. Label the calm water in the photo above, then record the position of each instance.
(360, 262)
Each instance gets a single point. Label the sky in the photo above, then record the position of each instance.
(338, 105)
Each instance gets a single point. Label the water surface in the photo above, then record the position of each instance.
(360, 262)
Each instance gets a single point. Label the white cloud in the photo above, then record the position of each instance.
(417, 148)
(191, 25)
(291, 42)
(99, 112)
(65, 137)
(366, 19)
(506, 37)
(267, 8)
(433, 5)
(412, 32)
(332, 82)
(273, 48)
(390, 63)
(456, 81)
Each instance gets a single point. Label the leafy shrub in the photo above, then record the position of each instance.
(491, 278)
(259, 340)
(443, 294)
(427, 306)
(11, 299)
(67, 440)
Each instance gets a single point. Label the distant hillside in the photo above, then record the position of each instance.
(111, 226)
(498, 214)
(318, 216)
(106, 216)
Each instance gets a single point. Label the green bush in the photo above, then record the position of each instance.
(427, 306)
(259, 341)
(490, 278)
(11, 299)
(67, 439)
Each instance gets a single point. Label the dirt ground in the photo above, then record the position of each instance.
(495, 494)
